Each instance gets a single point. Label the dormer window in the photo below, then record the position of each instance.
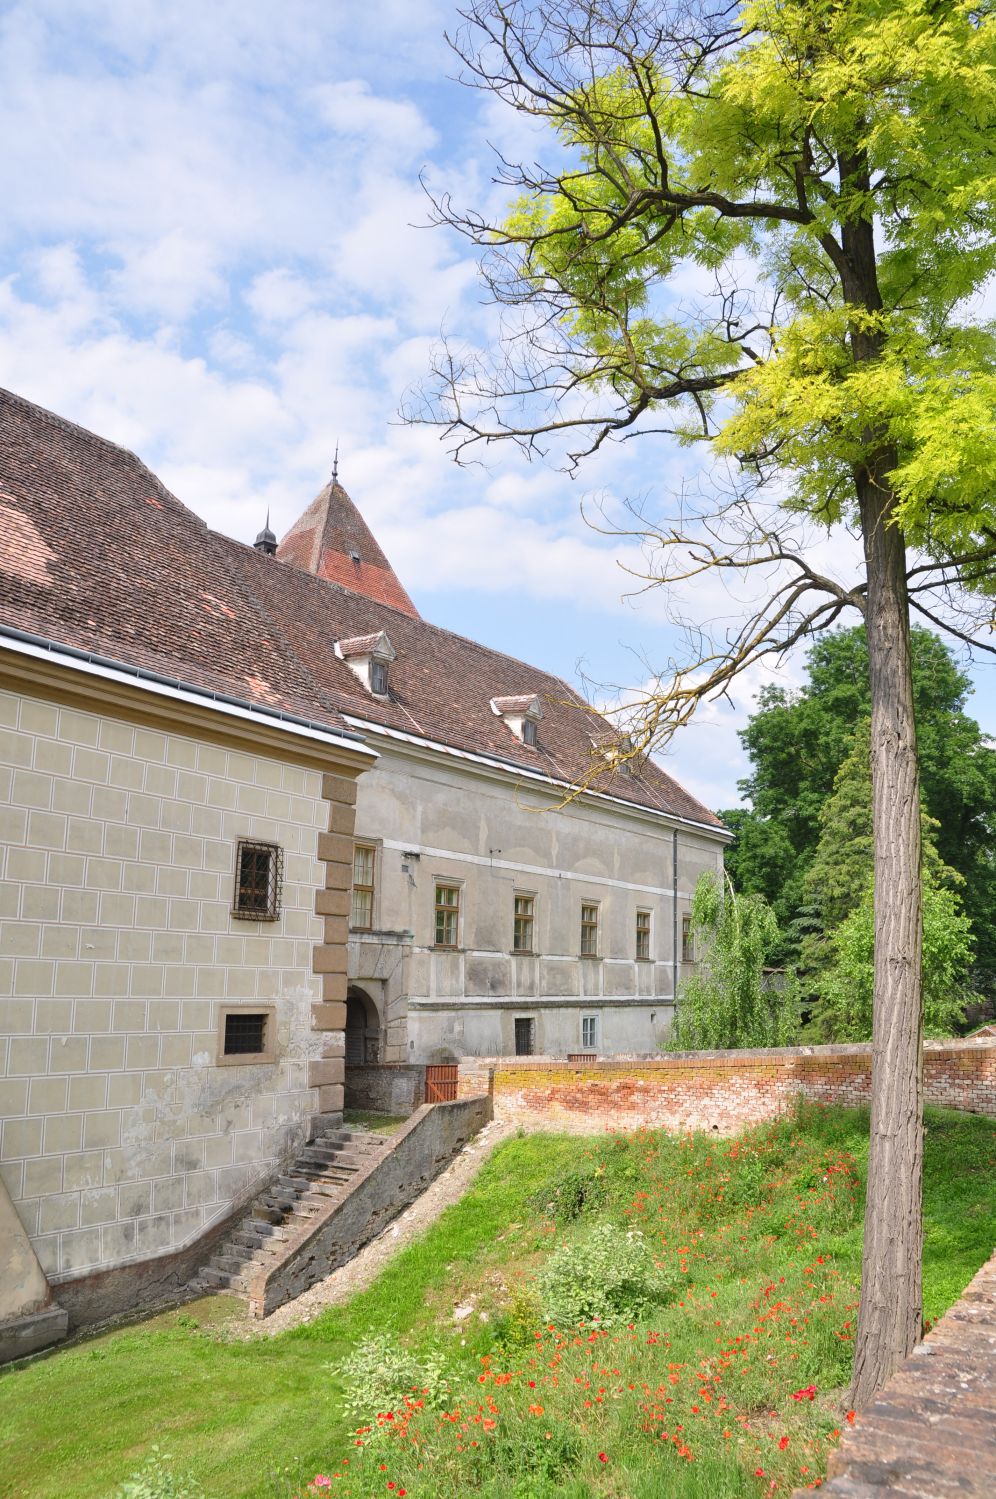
(615, 749)
(369, 658)
(520, 714)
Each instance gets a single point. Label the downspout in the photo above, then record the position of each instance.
(674, 921)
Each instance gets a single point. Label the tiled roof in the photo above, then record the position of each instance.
(95, 553)
(521, 704)
(332, 540)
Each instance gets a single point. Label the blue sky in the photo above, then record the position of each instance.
(213, 251)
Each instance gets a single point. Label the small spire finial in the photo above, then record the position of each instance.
(266, 542)
(335, 467)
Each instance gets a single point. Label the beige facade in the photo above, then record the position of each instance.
(124, 1131)
(435, 818)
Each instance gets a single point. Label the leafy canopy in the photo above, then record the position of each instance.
(728, 1003)
(798, 743)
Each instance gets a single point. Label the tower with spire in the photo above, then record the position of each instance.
(332, 540)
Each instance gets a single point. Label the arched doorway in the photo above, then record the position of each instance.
(362, 1029)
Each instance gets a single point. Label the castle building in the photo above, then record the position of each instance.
(262, 823)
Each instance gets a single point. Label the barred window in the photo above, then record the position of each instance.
(589, 931)
(364, 864)
(259, 869)
(244, 1034)
(687, 940)
(522, 935)
(525, 1037)
(643, 934)
(447, 915)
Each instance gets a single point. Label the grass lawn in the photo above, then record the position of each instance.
(725, 1374)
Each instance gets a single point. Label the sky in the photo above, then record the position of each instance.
(215, 250)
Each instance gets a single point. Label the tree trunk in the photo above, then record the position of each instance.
(890, 1316)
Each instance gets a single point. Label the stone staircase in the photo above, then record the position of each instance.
(321, 1175)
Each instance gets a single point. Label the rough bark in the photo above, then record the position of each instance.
(890, 1315)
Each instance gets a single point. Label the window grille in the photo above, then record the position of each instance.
(245, 1035)
(589, 931)
(524, 1037)
(589, 1032)
(361, 911)
(687, 940)
(522, 935)
(447, 915)
(643, 934)
(259, 872)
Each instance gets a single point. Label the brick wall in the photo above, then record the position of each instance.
(714, 1090)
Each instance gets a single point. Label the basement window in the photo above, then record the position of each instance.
(246, 1035)
(259, 872)
(525, 1036)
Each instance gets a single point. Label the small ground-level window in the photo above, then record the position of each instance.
(589, 1032)
(247, 1035)
(447, 915)
(259, 869)
(643, 934)
(687, 940)
(589, 931)
(525, 1037)
(361, 909)
(522, 934)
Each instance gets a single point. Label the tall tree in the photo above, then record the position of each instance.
(837, 954)
(797, 742)
(830, 164)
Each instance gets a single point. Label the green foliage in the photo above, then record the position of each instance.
(566, 1197)
(844, 1009)
(728, 1003)
(380, 1375)
(799, 743)
(607, 1277)
(237, 1410)
(155, 1479)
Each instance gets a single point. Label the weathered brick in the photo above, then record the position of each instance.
(328, 1017)
(339, 789)
(334, 986)
(332, 902)
(326, 1070)
(329, 960)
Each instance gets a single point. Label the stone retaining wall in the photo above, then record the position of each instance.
(932, 1429)
(713, 1090)
(387, 1088)
(415, 1156)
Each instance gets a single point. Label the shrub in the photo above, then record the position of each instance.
(571, 1194)
(380, 1375)
(609, 1276)
(156, 1480)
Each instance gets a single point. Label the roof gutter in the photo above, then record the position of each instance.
(496, 762)
(24, 643)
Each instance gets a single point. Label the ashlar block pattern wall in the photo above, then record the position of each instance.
(121, 1136)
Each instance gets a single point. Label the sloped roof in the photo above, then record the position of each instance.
(96, 554)
(332, 540)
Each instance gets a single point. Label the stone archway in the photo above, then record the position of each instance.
(363, 1038)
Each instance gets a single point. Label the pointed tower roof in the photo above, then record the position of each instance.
(332, 540)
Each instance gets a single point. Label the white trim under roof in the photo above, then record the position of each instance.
(521, 772)
(104, 669)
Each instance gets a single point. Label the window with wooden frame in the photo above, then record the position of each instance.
(530, 732)
(589, 930)
(447, 915)
(361, 911)
(378, 677)
(643, 934)
(259, 871)
(522, 925)
(687, 940)
(589, 1032)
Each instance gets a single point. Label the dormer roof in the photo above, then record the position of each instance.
(367, 645)
(333, 541)
(527, 703)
